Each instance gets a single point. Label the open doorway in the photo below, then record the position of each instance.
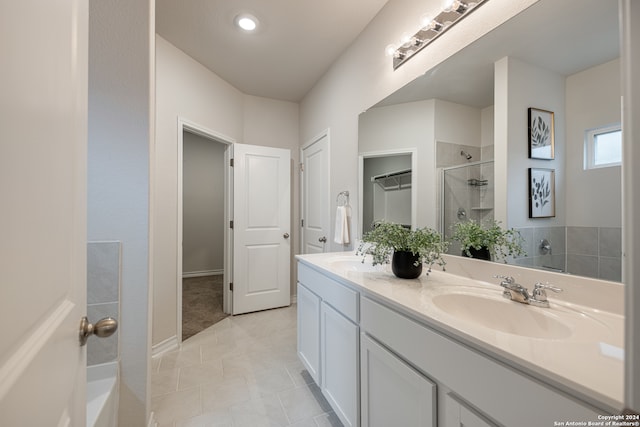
(203, 224)
(388, 186)
(203, 231)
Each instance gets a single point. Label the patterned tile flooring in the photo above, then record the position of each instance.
(241, 372)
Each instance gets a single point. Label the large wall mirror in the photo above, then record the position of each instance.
(468, 121)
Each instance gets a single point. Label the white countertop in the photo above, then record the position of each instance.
(584, 359)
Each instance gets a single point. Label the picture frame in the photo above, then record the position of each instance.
(542, 193)
(541, 134)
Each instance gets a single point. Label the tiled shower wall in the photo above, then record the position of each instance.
(584, 251)
(103, 297)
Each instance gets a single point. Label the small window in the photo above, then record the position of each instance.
(603, 147)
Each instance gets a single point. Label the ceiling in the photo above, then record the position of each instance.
(296, 42)
(565, 36)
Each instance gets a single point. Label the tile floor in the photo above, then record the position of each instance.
(241, 372)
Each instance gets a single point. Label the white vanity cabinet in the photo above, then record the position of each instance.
(328, 340)
(309, 331)
(392, 392)
(382, 359)
(457, 414)
(502, 395)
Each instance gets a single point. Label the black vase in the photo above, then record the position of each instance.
(403, 265)
(482, 253)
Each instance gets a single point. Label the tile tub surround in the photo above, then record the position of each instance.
(567, 364)
(584, 251)
(242, 372)
(103, 297)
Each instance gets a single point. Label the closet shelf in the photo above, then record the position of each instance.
(398, 180)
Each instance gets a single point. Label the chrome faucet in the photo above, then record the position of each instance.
(539, 296)
(518, 293)
(513, 290)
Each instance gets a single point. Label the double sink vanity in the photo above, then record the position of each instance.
(448, 349)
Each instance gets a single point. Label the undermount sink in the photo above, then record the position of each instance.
(353, 263)
(503, 315)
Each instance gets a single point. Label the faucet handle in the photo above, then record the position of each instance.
(541, 287)
(539, 295)
(506, 280)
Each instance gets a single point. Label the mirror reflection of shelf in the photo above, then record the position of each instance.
(473, 182)
(398, 180)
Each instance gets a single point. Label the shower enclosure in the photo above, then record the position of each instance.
(467, 193)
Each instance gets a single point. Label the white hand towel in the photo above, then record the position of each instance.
(343, 217)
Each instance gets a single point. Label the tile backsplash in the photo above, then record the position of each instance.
(103, 297)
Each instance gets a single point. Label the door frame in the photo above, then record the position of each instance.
(325, 133)
(192, 127)
(414, 181)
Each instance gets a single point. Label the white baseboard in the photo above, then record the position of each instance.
(204, 273)
(162, 347)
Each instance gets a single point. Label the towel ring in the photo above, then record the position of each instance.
(345, 198)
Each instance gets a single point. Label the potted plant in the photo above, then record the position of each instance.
(492, 242)
(410, 248)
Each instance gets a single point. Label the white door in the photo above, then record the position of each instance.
(315, 197)
(43, 138)
(261, 228)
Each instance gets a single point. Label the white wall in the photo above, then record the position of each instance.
(186, 89)
(487, 132)
(363, 76)
(594, 196)
(457, 123)
(121, 49)
(518, 86)
(203, 205)
(630, 66)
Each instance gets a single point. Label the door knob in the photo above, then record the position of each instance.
(102, 328)
(322, 239)
(285, 235)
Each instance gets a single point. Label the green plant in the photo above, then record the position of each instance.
(387, 237)
(500, 242)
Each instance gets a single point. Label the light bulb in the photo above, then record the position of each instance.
(425, 21)
(246, 22)
(390, 50)
(447, 6)
(405, 39)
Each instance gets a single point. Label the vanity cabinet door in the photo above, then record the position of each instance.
(339, 364)
(393, 393)
(309, 331)
(457, 414)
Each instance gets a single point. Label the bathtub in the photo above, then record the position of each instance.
(102, 395)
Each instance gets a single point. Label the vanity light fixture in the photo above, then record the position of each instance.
(430, 29)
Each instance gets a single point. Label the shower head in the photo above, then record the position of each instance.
(466, 155)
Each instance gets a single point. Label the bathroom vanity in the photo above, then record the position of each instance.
(448, 350)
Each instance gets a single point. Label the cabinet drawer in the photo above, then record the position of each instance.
(474, 377)
(340, 297)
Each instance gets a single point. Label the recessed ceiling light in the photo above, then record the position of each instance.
(246, 22)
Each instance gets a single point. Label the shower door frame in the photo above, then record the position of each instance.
(448, 168)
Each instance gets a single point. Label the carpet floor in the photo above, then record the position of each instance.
(201, 304)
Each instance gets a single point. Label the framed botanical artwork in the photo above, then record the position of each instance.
(541, 134)
(542, 193)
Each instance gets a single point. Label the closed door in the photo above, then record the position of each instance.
(315, 197)
(261, 229)
(43, 216)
